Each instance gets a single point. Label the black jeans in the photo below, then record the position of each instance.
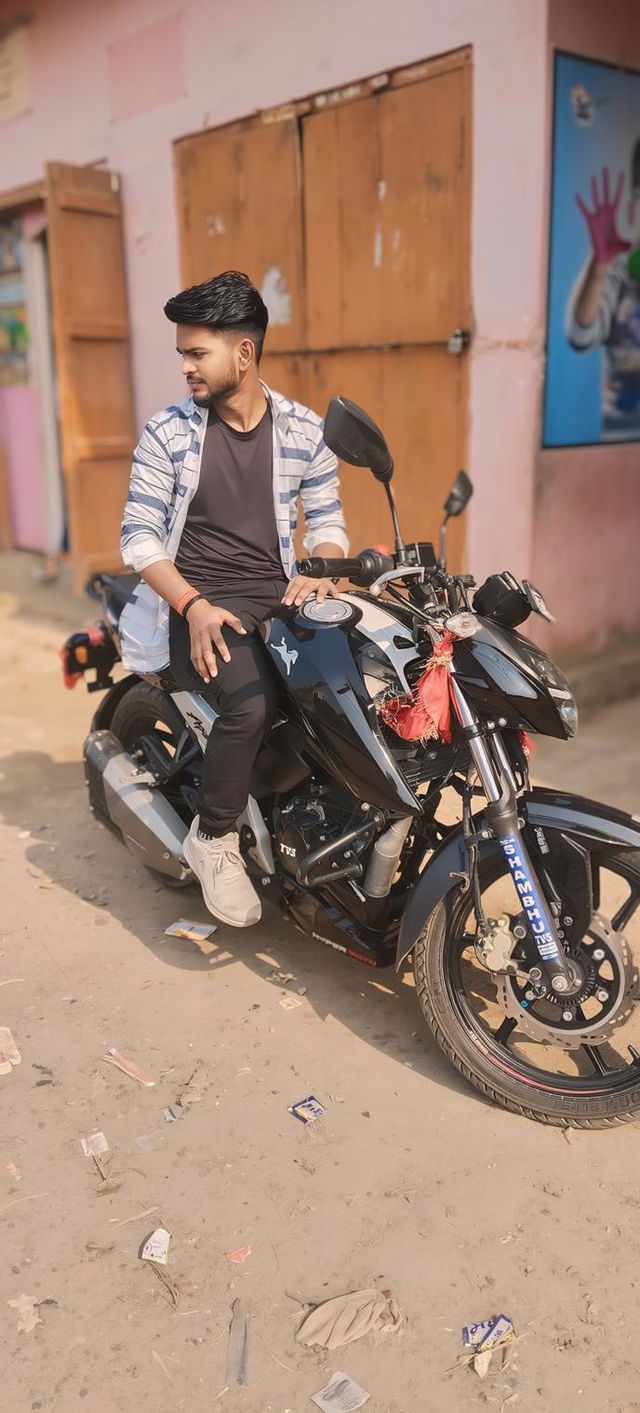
(244, 694)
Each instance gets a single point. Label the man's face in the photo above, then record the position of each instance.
(213, 363)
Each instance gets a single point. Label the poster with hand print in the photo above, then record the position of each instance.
(592, 391)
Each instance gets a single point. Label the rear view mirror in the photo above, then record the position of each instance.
(459, 496)
(353, 435)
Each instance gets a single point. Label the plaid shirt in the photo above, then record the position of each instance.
(164, 479)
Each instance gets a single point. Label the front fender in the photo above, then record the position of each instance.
(550, 809)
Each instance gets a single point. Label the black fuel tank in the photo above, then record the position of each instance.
(315, 660)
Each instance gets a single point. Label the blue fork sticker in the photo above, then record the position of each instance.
(539, 920)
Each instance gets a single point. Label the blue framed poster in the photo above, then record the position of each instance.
(592, 386)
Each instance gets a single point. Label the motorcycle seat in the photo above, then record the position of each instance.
(115, 588)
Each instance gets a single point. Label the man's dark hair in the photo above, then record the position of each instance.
(228, 303)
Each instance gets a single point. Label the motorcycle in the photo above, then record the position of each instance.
(516, 914)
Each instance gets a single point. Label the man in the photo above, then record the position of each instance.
(604, 305)
(209, 525)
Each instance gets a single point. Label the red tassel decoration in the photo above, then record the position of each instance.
(426, 714)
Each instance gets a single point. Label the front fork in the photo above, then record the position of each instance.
(498, 782)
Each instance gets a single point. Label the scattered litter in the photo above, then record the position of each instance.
(95, 1251)
(156, 1247)
(484, 1339)
(9, 1052)
(340, 1395)
(16, 1200)
(190, 931)
(94, 1145)
(171, 1115)
(308, 1167)
(195, 1088)
(246, 1069)
(14, 1171)
(302, 990)
(408, 1064)
(144, 1142)
(289, 1003)
(26, 1307)
(24, 834)
(336, 1099)
(159, 1360)
(11, 979)
(112, 1184)
(173, 1291)
(282, 976)
(113, 1057)
(307, 1110)
(239, 1256)
(238, 1347)
(345, 1318)
(43, 1070)
(137, 1216)
(99, 1166)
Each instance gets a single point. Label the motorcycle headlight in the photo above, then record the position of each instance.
(569, 714)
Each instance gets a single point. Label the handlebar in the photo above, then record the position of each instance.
(364, 569)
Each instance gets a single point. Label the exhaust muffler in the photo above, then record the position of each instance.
(124, 795)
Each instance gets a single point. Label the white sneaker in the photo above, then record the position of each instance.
(217, 864)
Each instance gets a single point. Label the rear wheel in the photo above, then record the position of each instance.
(148, 714)
(576, 1065)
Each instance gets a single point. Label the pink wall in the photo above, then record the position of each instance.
(19, 432)
(236, 61)
(21, 442)
(587, 517)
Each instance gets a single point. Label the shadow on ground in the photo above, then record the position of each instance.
(69, 848)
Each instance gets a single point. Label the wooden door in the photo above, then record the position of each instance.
(240, 208)
(386, 203)
(362, 206)
(91, 336)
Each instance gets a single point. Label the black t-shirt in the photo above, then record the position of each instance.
(230, 535)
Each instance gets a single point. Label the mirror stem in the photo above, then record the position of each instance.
(443, 543)
(400, 545)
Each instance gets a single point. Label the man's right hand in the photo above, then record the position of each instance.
(205, 629)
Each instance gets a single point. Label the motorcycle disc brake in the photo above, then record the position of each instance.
(609, 989)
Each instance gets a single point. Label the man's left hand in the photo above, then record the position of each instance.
(300, 587)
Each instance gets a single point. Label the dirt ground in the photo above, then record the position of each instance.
(410, 1182)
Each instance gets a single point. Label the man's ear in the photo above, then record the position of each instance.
(247, 353)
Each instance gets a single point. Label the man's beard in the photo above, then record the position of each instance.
(208, 399)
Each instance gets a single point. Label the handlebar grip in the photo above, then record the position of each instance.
(317, 568)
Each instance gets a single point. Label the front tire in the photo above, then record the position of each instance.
(517, 1077)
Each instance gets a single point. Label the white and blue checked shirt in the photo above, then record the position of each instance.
(164, 479)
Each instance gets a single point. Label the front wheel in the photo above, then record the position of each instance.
(576, 1067)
